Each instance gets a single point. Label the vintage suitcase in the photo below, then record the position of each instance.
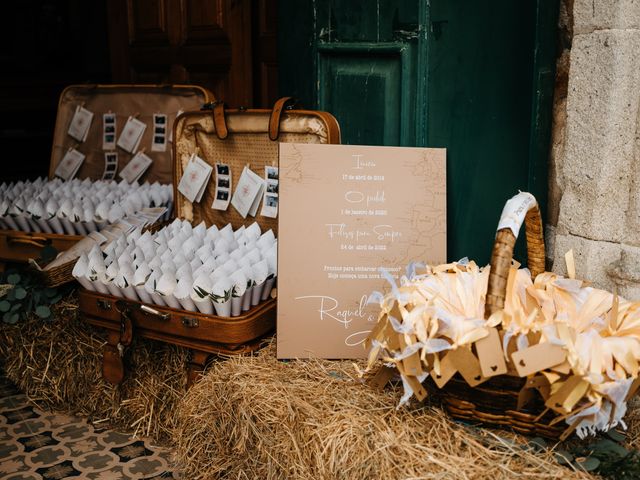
(238, 137)
(123, 100)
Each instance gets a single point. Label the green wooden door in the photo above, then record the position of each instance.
(473, 76)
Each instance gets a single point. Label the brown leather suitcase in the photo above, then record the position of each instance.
(124, 100)
(240, 137)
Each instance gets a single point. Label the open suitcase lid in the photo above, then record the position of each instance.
(124, 101)
(241, 137)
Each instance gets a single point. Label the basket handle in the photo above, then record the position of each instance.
(523, 208)
(36, 241)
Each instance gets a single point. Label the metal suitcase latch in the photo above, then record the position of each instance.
(190, 322)
(154, 312)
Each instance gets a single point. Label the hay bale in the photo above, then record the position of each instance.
(255, 417)
(58, 364)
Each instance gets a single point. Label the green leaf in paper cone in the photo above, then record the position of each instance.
(43, 311)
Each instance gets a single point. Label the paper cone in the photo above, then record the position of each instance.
(86, 283)
(236, 306)
(68, 226)
(44, 226)
(11, 223)
(188, 304)
(80, 228)
(256, 294)
(22, 223)
(158, 299)
(130, 293)
(142, 293)
(56, 226)
(101, 287)
(114, 290)
(246, 299)
(33, 225)
(204, 305)
(268, 286)
(90, 226)
(3, 225)
(223, 309)
(172, 302)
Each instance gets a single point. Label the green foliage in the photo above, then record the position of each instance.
(25, 294)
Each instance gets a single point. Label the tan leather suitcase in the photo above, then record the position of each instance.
(123, 100)
(240, 137)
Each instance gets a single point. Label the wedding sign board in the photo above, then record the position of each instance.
(345, 212)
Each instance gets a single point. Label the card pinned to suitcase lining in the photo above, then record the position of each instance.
(80, 123)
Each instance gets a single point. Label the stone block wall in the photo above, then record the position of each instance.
(595, 158)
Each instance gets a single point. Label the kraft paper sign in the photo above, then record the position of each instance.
(346, 211)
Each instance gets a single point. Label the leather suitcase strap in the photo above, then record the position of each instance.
(276, 113)
(219, 121)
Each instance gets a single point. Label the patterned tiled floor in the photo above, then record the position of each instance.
(38, 445)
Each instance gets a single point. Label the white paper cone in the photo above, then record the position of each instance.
(268, 286)
(79, 228)
(142, 293)
(44, 226)
(3, 225)
(114, 290)
(56, 226)
(130, 292)
(158, 299)
(90, 226)
(236, 306)
(68, 226)
(33, 225)
(256, 294)
(246, 299)
(188, 304)
(101, 225)
(204, 306)
(11, 223)
(223, 309)
(101, 287)
(86, 283)
(22, 223)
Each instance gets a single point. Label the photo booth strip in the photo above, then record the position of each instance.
(109, 131)
(159, 137)
(223, 187)
(271, 197)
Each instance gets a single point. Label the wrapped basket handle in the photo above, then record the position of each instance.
(523, 208)
(36, 241)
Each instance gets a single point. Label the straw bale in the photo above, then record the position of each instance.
(58, 364)
(256, 417)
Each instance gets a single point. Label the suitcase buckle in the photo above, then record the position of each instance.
(190, 322)
(103, 304)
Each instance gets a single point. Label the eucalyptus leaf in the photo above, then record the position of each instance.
(616, 436)
(50, 292)
(4, 306)
(55, 299)
(11, 318)
(563, 457)
(20, 293)
(538, 443)
(14, 279)
(43, 311)
(16, 307)
(609, 447)
(588, 464)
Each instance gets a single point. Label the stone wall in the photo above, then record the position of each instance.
(595, 157)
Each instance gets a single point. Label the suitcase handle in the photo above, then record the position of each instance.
(220, 122)
(36, 241)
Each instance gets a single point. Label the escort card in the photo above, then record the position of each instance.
(70, 164)
(345, 211)
(194, 179)
(80, 123)
(131, 134)
(135, 168)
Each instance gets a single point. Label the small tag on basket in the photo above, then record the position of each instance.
(568, 395)
(468, 365)
(490, 354)
(380, 380)
(412, 364)
(537, 358)
(416, 386)
(447, 370)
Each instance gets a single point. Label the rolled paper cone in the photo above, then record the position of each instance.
(68, 226)
(172, 302)
(130, 292)
(79, 228)
(268, 286)
(236, 306)
(223, 309)
(101, 287)
(23, 225)
(188, 304)
(56, 226)
(44, 226)
(143, 294)
(11, 223)
(256, 294)
(246, 299)
(3, 225)
(88, 285)
(101, 225)
(204, 306)
(114, 290)
(90, 226)
(158, 299)
(33, 225)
